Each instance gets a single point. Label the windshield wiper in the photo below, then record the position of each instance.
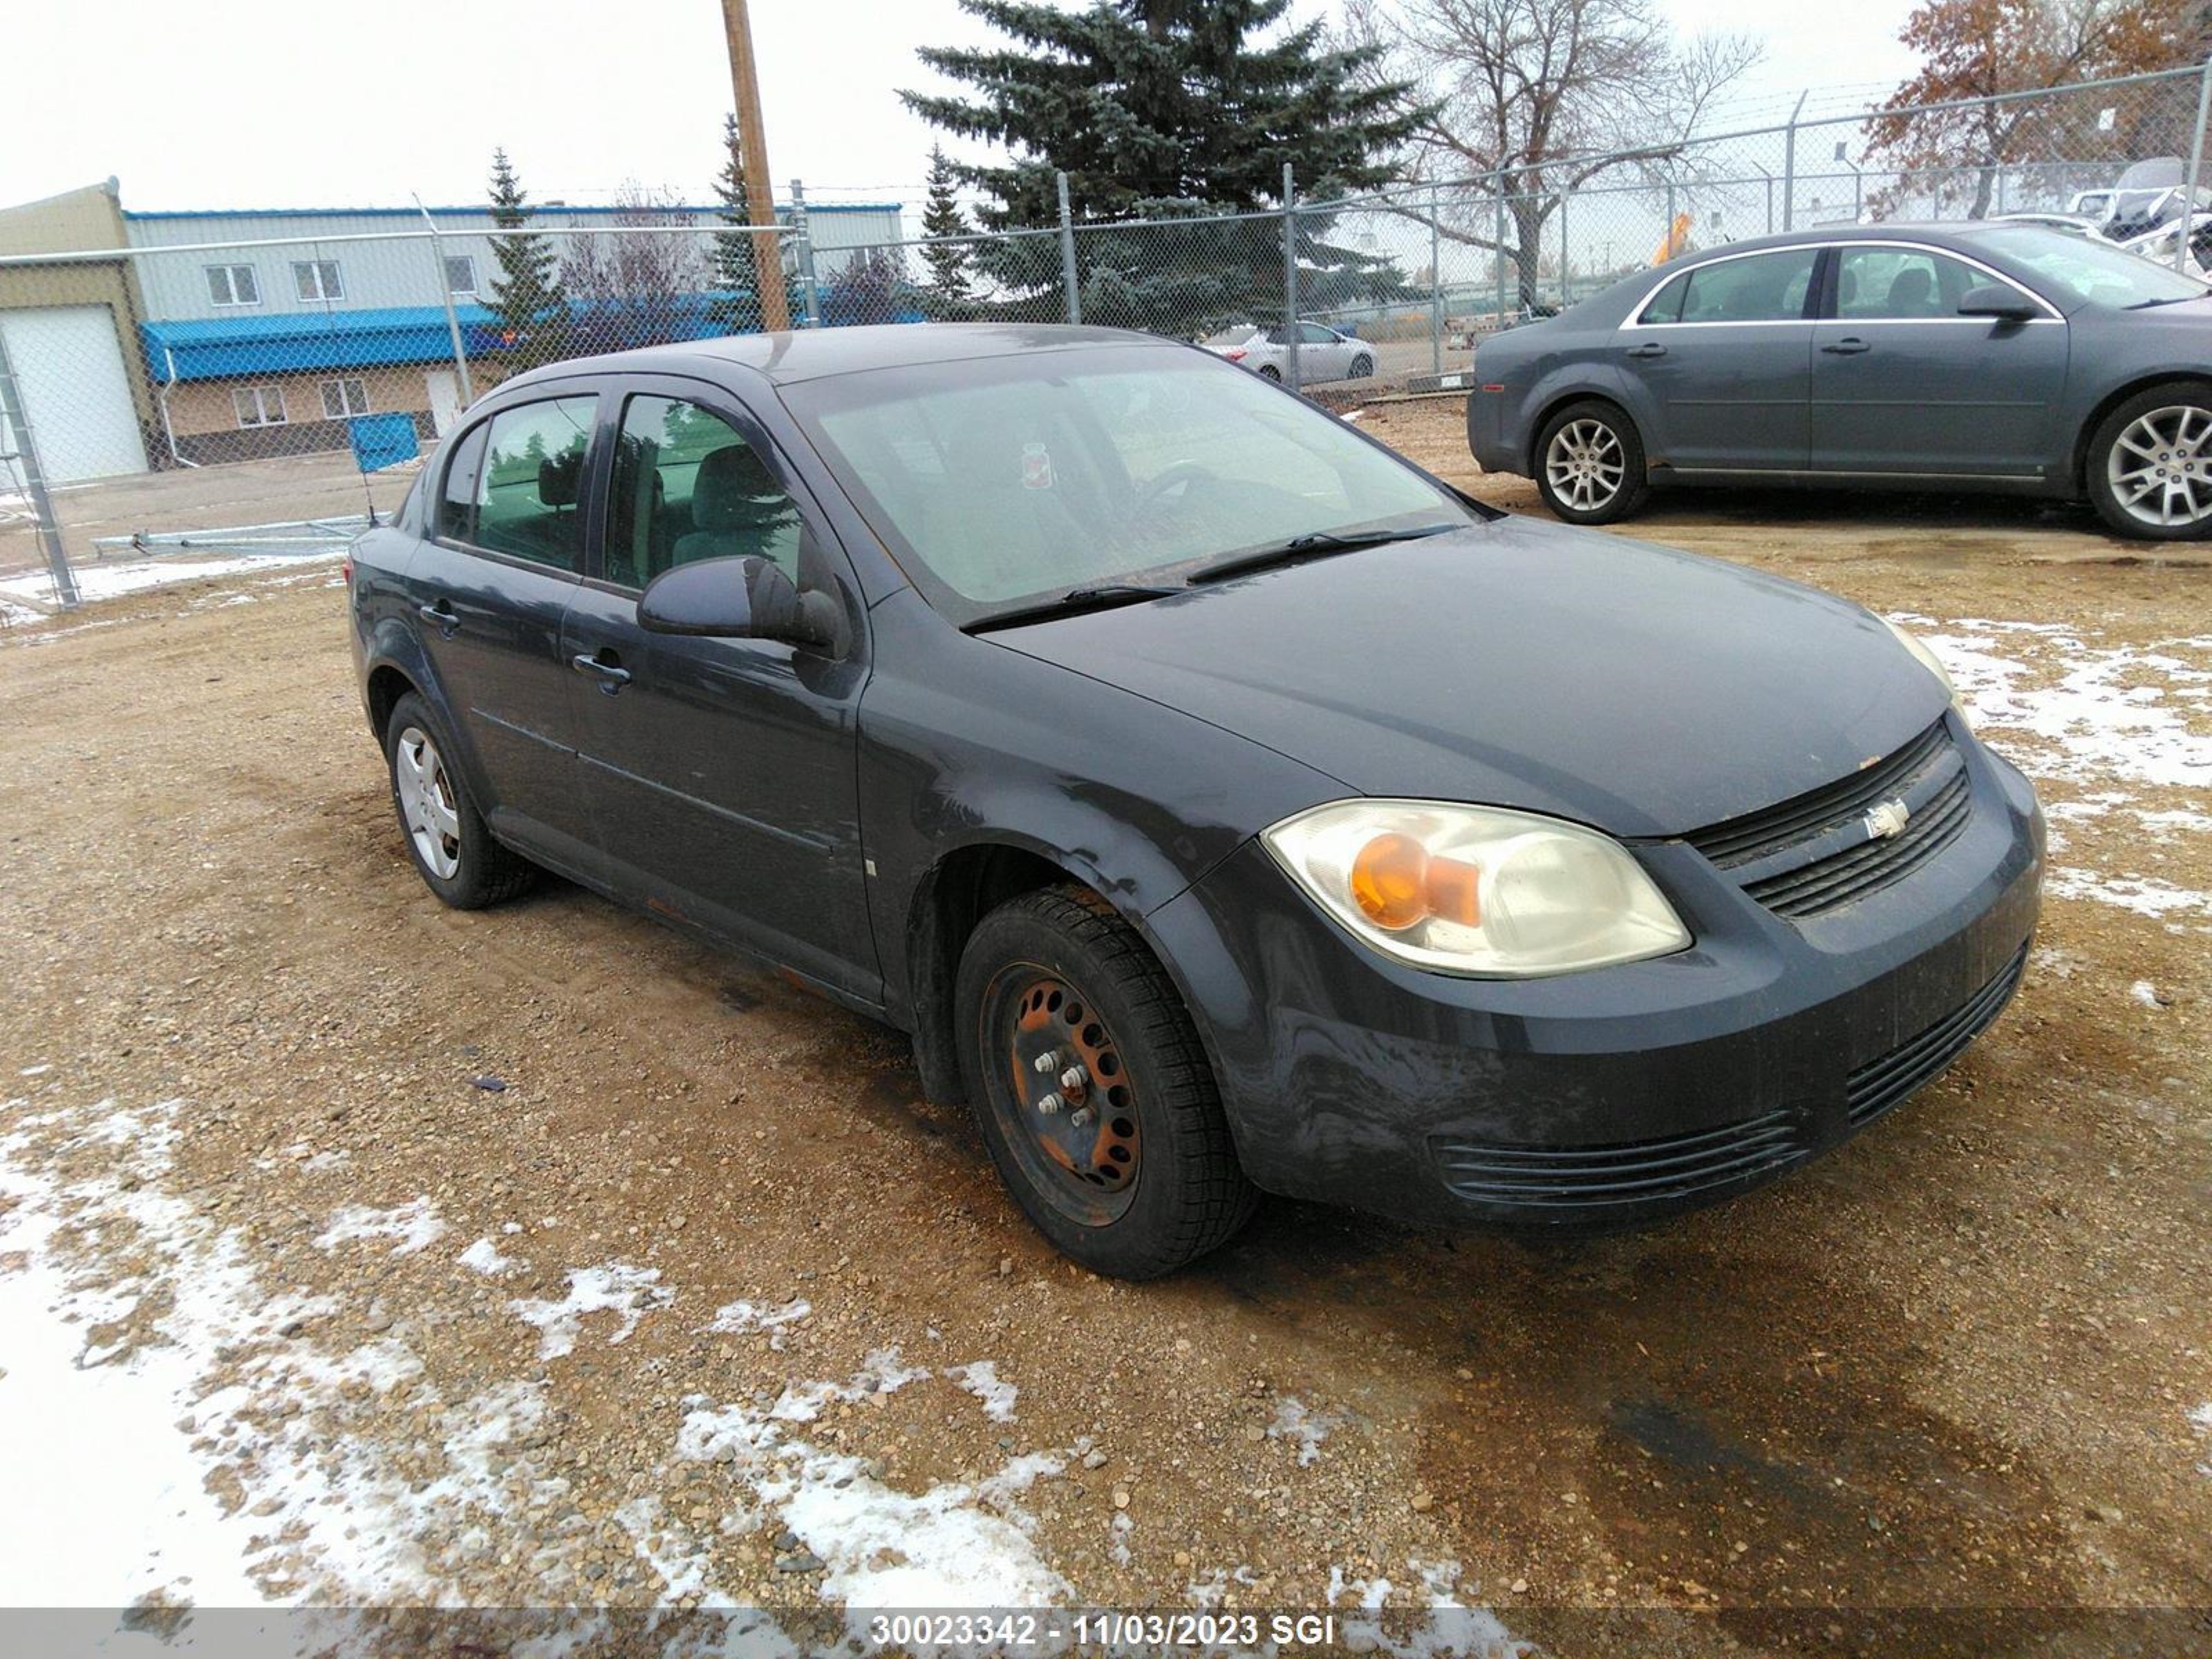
(1312, 545)
(1097, 598)
(2167, 299)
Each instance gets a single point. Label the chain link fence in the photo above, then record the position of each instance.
(256, 397)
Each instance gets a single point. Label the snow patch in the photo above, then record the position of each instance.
(617, 1287)
(2146, 896)
(2145, 992)
(414, 1224)
(879, 1373)
(1303, 1427)
(981, 1378)
(737, 1318)
(483, 1257)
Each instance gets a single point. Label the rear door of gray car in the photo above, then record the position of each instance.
(1903, 386)
(1723, 352)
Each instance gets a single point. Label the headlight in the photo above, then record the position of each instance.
(1928, 660)
(1476, 890)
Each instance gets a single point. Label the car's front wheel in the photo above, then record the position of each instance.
(1589, 464)
(1269, 372)
(2150, 464)
(452, 848)
(1092, 1089)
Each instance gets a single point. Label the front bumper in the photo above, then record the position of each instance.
(1608, 1096)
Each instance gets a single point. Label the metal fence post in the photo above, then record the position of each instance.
(1290, 279)
(1667, 235)
(446, 293)
(1500, 261)
(2188, 231)
(1435, 281)
(1790, 169)
(810, 291)
(34, 480)
(1566, 263)
(1069, 282)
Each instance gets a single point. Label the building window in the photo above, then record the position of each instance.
(232, 285)
(318, 280)
(345, 398)
(460, 274)
(258, 405)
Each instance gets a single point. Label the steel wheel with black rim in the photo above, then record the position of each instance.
(1092, 1089)
(2150, 464)
(1589, 464)
(455, 853)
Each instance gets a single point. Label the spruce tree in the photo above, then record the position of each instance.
(736, 305)
(941, 216)
(1167, 108)
(525, 295)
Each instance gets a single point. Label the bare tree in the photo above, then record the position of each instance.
(638, 283)
(1536, 97)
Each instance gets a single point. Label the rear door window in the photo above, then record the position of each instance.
(528, 499)
(1760, 288)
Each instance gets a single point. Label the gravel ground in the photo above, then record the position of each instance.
(539, 1257)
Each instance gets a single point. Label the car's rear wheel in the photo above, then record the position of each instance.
(1269, 372)
(447, 836)
(1092, 1089)
(1589, 464)
(2150, 464)
(1362, 367)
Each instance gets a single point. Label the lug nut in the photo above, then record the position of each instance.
(1081, 1117)
(1074, 1079)
(1050, 1105)
(1048, 1062)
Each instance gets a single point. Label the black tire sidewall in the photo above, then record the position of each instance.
(1269, 372)
(2195, 393)
(1362, 367)
(472, 885)
(1140, 1243)
(1634, 483)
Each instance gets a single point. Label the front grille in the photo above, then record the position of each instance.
(1873, 1088)
(1632, 1172)
(1813, 854)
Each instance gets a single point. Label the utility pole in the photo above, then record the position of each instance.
(752, 142)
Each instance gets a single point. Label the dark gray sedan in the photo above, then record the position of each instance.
(1973, 356)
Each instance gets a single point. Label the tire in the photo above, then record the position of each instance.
(1362, 367)
(1269, 372)
(2160, 439)
(1056, 975)
(1597, 435)
(452, 848)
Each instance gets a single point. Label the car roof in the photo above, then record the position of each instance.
(1938, 232)
(815, 353)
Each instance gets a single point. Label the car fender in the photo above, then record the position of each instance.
(1561, 378)
(389, 642)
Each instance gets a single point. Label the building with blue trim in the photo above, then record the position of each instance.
(266, 332)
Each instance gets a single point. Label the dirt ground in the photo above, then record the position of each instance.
(539, 1257)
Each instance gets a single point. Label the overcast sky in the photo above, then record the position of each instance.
(253, 103)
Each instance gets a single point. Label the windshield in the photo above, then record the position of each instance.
(2073, 270)
(1001, 483)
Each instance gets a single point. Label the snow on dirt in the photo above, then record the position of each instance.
(413, 1226)
(626, 1291)
(111, 579)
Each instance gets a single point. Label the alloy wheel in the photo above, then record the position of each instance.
(427, 804)
(1585, 464)
(1069, 1113)
(2160, 466)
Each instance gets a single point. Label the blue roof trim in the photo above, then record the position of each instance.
(481, 211)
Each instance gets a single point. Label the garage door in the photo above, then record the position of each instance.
(68, 371)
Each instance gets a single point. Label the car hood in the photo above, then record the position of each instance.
(1643, 690)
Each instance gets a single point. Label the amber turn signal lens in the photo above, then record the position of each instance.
(1396, 884)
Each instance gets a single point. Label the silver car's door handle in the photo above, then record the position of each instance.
(1650, 348)
(1848, 346)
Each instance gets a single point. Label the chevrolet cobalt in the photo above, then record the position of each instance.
(1223, 804)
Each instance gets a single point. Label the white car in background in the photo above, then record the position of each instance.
(1323, 353)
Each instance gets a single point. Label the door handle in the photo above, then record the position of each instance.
(1850, 345)
(1649, 348)
(439, 615)
(611, 675)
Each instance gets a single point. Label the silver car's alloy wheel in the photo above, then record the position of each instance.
(1585, 464)
(426, 802)
(2160, 467)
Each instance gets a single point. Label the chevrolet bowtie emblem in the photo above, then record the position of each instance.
(1886, 820)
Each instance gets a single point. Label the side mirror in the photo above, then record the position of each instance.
(743, 598)
(1994, 299)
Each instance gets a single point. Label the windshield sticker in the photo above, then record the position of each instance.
(1036, 467)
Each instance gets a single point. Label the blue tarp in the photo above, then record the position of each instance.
(216, 348)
